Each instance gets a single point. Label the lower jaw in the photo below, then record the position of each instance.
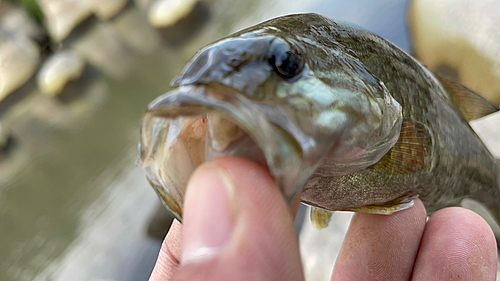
(186, 143)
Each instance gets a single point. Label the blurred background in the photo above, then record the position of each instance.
(76, 76)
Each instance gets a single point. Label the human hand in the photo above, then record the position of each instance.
(237, 226)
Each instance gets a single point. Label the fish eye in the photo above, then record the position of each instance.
(285, 60)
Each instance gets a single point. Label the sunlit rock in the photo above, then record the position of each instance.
(58, 70)
(460, 38)
(165, 13)
(62, 16)
(18, 61)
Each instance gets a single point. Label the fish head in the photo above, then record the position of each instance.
(276, 95)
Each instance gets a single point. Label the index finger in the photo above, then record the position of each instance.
(381, 247)
(170, 254)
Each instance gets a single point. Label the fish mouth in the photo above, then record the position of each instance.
(195, 123)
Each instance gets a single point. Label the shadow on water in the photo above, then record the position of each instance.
(72, 204)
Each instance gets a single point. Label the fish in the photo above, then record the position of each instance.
(337, 114)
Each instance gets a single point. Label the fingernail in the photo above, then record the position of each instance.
(208, 217)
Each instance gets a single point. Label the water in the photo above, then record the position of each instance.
(73, 206)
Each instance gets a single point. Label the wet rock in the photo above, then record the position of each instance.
(460, 39)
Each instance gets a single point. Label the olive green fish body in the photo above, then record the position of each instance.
(336, 111)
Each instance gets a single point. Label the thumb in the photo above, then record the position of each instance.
(237, 225)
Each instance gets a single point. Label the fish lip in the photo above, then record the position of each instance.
(196, 100)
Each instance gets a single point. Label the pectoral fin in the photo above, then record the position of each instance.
(402, 203)
(410, 152)
(320, 218)
(472, 105)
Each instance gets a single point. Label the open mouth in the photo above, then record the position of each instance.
(193, 124)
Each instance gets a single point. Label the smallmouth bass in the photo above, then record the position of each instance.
(342, 114)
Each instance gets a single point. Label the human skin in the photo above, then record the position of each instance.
(237, 226)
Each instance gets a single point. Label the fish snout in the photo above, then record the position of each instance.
(239, 63)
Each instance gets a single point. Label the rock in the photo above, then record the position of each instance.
(460, 39)
(166, 13)
(58, 70)
(62, 16)
(17, 21)
(19, 57)
(178, 20)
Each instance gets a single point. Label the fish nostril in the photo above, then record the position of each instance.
(234, 62)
